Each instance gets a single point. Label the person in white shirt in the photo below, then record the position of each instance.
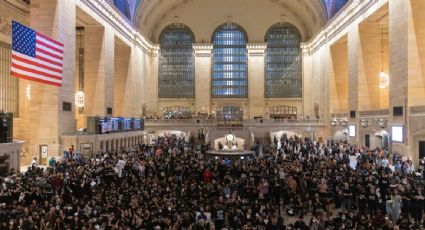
(34, 162)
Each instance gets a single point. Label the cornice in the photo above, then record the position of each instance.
(20, 4)
(107, 12)
(203, 50)
(256, 49)
(344, 18)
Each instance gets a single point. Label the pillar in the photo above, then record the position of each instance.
(354, 55)
(407, 64)
(256, 80)
(99, 70)
(47, 121)
(124, 99)
(203, 78)
(152, 92)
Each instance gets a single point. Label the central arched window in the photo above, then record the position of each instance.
(229, 62)
(176, 62)
(283, 73)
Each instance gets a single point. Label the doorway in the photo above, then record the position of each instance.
(43, 154)
(367, 140)
(421, 149)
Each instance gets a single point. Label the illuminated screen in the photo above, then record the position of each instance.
(397, 133)
(352, 130)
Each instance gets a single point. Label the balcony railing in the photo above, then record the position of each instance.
(417, 109)
(246, 122)
(373, 113)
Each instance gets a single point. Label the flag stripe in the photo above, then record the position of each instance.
(50, 54)
(48, 42)
(48, 47)
(35, 79)
(49, 57)
(57, 64)
(49, 39)
(42, 71)
(34, 72)
(40, 60)
(37, 63)
(33, 75)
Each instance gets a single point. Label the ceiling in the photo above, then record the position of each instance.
(255, 16)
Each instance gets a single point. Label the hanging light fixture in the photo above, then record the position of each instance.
(79, 99)
(384, 79)
(79, 96)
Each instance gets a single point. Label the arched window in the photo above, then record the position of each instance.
(176, 62)
(229, 62)
(283, 74)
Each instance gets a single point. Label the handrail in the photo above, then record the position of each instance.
(245, 121)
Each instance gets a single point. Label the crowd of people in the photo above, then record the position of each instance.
(167, 185)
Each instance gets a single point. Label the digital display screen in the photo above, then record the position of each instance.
(105, 125)
(114, 124)
(137, 124)
(397, 133)
(127, 123)
(352, 130)
(119, 124)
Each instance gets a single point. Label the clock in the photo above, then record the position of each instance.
(230, 137)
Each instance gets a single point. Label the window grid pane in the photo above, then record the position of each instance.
(229, 113)
(230, 69)
(9, 86)
(283, 62)
(176, 63)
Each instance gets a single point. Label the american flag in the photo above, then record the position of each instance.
(36, 57)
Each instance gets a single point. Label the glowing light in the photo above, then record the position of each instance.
(28, 92)
(79, 99)
(384, 80)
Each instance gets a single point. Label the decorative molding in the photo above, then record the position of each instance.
(5, 26)
(256, 49)
(203, 50)
(375, 113)
(344, 18)
(20, 4)
(340, 115)
(154, 51)
(109, 13)
(417, 109)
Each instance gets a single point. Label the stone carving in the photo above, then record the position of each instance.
(5, 26)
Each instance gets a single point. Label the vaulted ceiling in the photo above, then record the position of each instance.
(255, 16)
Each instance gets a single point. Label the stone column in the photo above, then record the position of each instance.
(339, 78)
(354, 55)
(152, 97)
(256, 80)
(407, 49)
(369, 66)
(47, 120)
(99, 70)
(123, 87)
(203, 78)
(307, 109)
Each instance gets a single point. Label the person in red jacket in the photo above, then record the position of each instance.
(207, 175)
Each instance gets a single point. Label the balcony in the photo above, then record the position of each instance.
(153, 123)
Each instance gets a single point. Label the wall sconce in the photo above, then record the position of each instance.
(28, 92)
(363, 123)
(382, 123)
(79, 99)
